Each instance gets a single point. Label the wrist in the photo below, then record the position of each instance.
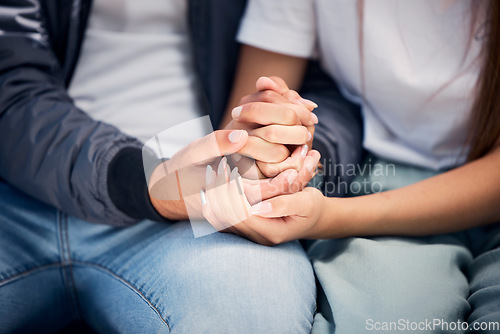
(324, 223)
(362, 215)
(164, 194)
(337, 219)
(173, 210)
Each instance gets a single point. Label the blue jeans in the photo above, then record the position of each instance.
(399, 285)
(147, 278)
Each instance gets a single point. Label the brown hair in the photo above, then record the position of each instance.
(484, 125)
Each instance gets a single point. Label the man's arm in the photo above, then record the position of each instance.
(49, 148)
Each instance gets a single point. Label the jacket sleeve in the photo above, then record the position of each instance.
(49, 148)
(339, 134)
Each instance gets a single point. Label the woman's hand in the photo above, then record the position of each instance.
(228, 199)
(289, 217)
(278, 121)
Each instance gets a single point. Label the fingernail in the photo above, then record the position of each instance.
(235, 136)
(240, 187)
(234, 174)
(290, 178)
(209, 175)
(309, 136)
(308, 102)
(236, 112)
(309, 165)
(222, 166)
(236, 157)
(203, 198)
(314, 118)
(304, 151)
(261, 208)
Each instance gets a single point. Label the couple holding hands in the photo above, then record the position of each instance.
(422, 246)
(267, 141)
(86, 83)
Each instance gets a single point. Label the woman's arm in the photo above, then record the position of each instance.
(254, 63)
(337, 137)
(462, 198)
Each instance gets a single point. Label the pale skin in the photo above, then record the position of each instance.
(274, 126)
(462, 198)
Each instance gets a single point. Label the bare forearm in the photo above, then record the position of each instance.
(463, 198)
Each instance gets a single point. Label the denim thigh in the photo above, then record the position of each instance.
(36, 291)
(368, 284)
(219, 283)
(484, 278)
(149, 278)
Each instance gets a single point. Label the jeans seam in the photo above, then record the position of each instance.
(72, 279)
(66, 266)
(28, 272)
(126, 283)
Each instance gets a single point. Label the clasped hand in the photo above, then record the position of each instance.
(273, 127)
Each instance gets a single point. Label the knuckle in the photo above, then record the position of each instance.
(215, 136)
(250, 109)
(280, 152)
(292, 95)
(291, 117)
(264, 168)
(268, 96)
(271, 133)
(272, 170)
(278, 238)
(245, 100)
(309, 200)
(274, 239)
(294, 188)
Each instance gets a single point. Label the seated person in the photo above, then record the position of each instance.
(82, 89)
(426, 74)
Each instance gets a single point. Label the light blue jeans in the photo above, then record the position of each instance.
(147, 278)
(407, 285)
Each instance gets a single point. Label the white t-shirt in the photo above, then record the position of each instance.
(135, 69)
(419, 67)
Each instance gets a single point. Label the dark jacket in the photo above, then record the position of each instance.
(56, 153)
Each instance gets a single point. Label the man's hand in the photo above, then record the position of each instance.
(175, 184)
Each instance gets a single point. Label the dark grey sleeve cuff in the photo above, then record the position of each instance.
(127, 186)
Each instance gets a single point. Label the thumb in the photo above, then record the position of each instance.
(279, 85)
(214, 145)
(272, 83)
